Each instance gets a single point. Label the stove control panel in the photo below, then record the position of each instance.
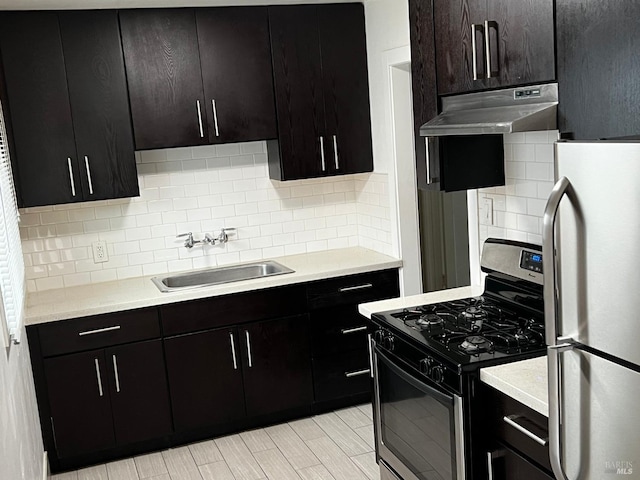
(432, 369)
(531, 261)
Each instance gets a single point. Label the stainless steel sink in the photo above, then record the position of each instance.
(216, 276)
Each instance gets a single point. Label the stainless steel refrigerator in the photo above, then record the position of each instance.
(591, 255)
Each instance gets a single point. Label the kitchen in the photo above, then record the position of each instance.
(518, 210)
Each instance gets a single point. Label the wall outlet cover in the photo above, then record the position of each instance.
(100, 254)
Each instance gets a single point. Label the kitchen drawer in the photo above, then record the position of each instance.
(353, 289)
(233, 309)
(503, 406)
(98, 331)
(338, 330)
(341, 375)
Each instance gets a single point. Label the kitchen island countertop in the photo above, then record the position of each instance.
(140, 292)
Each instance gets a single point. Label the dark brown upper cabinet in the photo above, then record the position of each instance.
(198, 76)
(322, 92)
(484, 44)
(164, 77)
(68, 105)
(598, 66)
(236, 72)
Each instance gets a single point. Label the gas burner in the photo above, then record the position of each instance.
(475, 316)
(475, 344)
(429, 320)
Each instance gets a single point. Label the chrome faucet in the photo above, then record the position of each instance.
(223, 237)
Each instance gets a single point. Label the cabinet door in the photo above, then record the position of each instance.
(99, 103)
(457, 22)
(598, 67)
(139, 392)
(164, 77)
(295, 47)
(276, 360)
(80, 405)
(46, 171)
(521, 42)
(205, 379)
(346, 88)
(506, 464)
(237, 73)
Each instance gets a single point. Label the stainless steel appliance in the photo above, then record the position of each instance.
(426, 361)
(592, 301)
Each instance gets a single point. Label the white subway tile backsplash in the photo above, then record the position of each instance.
(203, 189)
(523, 196)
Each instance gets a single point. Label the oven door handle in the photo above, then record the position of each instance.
(437, 394)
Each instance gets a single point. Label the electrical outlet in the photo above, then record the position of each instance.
(100, 254)
(486, 216)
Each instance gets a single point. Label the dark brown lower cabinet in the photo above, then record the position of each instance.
(276, 365)
(106, 398)
(506, 464)
(221, 376)
(205, 378)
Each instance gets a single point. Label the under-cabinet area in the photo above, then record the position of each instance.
(122, 383)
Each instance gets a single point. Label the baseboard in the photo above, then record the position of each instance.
(45, 466)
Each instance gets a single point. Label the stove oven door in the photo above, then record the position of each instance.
(419, 432)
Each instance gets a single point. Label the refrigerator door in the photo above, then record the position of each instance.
(598, 246)
(600, 423)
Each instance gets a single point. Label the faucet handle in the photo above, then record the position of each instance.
(225, 230)
(189, 241)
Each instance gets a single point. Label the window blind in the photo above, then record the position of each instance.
(11, 262)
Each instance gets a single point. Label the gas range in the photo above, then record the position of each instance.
(426, 362)
(505, 323)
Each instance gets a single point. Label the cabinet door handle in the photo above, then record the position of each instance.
(357, 373)
(99, 330)
(335, 152)
(346, 331)
(490, 457)
(233, 351)
(200, 119)
(86, 166)
(73, 185)
(357, 287)
(115, 373)
(369, 341)
(324, 166)
(98, 377)
(246, 334)
(510, 420)
(487, 47)
(474, 47)
(215, 116)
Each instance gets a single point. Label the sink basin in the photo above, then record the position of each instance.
(216, 276)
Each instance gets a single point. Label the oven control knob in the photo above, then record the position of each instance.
(389, 342)
(437, 373)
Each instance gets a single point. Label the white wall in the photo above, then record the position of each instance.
(387, 24)
(21, 446)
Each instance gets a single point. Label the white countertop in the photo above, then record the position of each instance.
(367, 309)
(107, 297)
(525, 381)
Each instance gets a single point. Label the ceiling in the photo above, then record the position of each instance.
(96, 4)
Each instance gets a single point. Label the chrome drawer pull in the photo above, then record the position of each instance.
(346, 331)
(200, 118)
(323, 164)
(99, 330)
(357, 373)
(215, 116)
(73, 185)
(86, 166)
(357, 287)
(246, 334)
(509, 420)
(233, 351)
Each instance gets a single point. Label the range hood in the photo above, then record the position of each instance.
(511, 110)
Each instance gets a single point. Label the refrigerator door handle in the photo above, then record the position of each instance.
(555, 345)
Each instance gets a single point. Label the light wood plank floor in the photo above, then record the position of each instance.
(334, 446)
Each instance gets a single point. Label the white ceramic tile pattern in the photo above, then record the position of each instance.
(203, 189)
(518, 206)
